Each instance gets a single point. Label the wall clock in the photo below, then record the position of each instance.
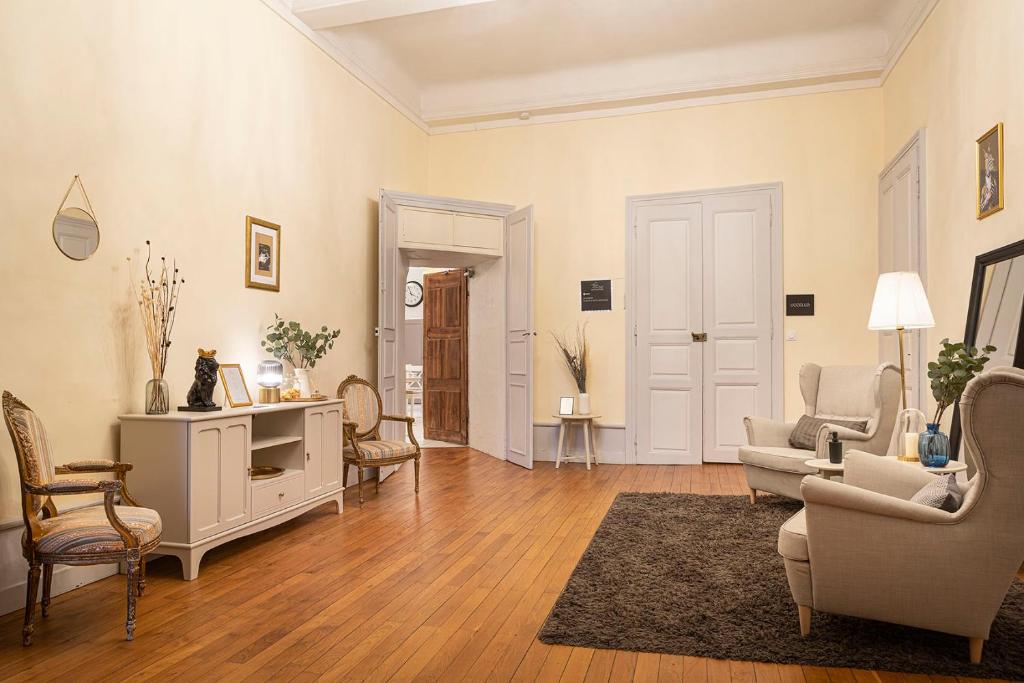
(413, 294)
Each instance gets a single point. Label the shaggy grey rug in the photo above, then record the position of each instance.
(699, 575)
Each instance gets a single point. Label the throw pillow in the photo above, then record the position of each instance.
(805, 434)
(943, 493)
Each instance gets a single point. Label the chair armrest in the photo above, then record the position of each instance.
(846, 435)
(398, 418)
(884, 475)
(93, 466)
(764, 432)
(72, 486)
(817, 491)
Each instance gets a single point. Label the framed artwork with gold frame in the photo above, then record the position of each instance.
(990, 172)
(236, 392)
(262, 254)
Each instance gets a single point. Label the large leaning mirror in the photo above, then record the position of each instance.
(75, 233)
(995, 313)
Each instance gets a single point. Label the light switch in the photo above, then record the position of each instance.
(790, 335)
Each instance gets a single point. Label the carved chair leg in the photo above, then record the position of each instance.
(31, 593)
(132, 581)
(344, 475)
(376, 482)
(417, 467)
(142, 576)
(47, 581)
(360, 471)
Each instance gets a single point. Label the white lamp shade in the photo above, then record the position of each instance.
(900, 301)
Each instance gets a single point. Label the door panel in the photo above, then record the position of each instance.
(900, 235)
(668, 370)
(445, 356)
(331, 447)
(737, 314)
(424, 226)
(313, 441)
(219, 491)
(519, 337)
(392, 268)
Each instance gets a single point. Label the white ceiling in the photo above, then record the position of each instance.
(453, 64)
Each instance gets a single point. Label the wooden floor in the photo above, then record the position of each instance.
(450, 585)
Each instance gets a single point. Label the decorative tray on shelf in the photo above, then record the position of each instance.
(265, 472)
(304, 399)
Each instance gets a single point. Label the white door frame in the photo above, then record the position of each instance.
(636, 201)
(915, 145)
(399, 276)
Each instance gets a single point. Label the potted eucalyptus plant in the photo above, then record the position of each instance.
(955, 366)
(287, 341)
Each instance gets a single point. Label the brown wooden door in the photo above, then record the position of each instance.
(446, 356)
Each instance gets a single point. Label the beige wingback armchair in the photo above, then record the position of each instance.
(860, 547)
(853, 393)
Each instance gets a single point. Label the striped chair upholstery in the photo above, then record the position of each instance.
(88, 532)
(31, 436)
(378, 450)
(362, 407)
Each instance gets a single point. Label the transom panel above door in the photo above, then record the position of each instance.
(703, 288)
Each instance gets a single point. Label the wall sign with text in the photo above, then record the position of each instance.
(799, 304)
(596, 295)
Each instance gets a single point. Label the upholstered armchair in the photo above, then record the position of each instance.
(364, 446)
(862, 549)
(111, 534)
(847, 393)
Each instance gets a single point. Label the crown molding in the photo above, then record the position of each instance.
(630, 109)
(906, 35)
(347, 62)
(836, 77)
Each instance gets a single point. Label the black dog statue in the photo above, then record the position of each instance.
(200, 396)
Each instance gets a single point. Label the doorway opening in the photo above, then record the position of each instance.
(437, 355)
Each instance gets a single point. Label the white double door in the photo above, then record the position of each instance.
(703, 350)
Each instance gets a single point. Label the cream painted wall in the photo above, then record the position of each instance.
(181, 117)
(959, 77)
(826, 149)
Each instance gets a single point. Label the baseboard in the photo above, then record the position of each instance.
(14, 570)
(609, 440)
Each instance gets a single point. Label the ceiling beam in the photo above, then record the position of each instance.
(322, 14)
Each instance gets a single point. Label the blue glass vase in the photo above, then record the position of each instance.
(933, 447)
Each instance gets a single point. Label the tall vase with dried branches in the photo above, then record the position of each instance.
(156, 293)
(574, 354)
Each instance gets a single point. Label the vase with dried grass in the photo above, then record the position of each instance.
(574, 354)
(156, 293)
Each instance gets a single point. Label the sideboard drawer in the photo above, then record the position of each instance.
(270, 494)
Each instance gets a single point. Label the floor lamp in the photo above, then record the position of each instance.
(900, 304)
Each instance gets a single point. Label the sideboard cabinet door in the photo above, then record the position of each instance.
(332, 444)
(219, 491)
(314, 444)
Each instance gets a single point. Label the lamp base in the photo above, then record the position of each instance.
(270, 395)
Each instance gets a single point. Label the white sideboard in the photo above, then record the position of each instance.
(194, 469)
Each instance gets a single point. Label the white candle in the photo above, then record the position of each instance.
(910, 444)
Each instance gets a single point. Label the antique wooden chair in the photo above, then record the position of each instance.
(91, 535)
(363, 444)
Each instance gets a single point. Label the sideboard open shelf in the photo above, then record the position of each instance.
(194, 469)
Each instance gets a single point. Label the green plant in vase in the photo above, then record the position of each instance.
(956, 365)
(288, 342)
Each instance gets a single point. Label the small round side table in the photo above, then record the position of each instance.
(952, 467)
(826, 468)
(567, 422)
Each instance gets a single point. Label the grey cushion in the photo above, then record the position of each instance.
(943, 493)
(805, 434)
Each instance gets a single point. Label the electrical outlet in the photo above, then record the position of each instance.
(790, 335)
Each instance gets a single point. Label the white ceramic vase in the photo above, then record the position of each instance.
(584, 406)
(305, 386)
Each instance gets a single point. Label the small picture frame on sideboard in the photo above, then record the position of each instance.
(565, 405)
(235, 390)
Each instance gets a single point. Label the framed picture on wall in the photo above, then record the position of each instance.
(990, 172)
(262, 254)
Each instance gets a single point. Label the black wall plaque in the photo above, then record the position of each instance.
(596, 295)
(799, 304)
